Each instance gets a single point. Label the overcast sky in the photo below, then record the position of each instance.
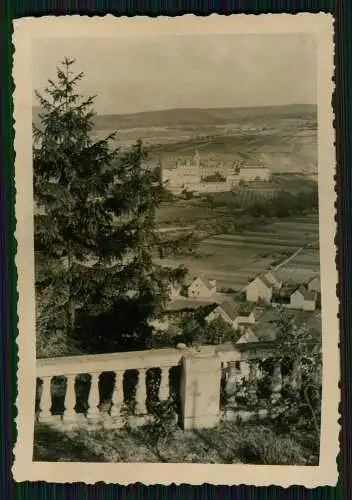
(141, 74)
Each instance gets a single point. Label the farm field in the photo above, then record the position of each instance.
(181, 212)
(184, 212)
(234, 259)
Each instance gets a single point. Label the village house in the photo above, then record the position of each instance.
(226, 311)
(304, 299)
(202, 288)
(292, 297)
(261, 288)
(234, 314)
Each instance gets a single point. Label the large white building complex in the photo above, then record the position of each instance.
(195, 174)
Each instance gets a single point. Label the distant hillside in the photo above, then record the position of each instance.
(283, 137)
(200, 117)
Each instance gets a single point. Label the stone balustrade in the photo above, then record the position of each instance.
(202, 373)
(93, 366)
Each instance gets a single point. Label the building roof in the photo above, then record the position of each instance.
(205, 281)
(315, 279)
(247, 337)
(185, 304)
(285, 291)
(272, 278)
(307, 294)
(265, 280)
(231, 309)
(246, 309)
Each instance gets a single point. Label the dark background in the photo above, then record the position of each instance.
(11, 9)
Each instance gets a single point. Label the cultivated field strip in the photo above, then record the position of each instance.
(254, 240)
(234, 259)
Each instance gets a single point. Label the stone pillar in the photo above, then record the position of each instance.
(141, 393)
(70, 398)
(45, 400)
(276, 383)
(164, 391)
(200, 390)
(94, 398)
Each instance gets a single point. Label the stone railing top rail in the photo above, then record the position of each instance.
(137, 360)
(119, 361)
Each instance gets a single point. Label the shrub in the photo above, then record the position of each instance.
(162, 428)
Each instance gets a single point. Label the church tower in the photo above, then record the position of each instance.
(197, 161)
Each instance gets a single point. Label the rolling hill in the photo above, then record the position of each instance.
(204, 117)
(284, 137)
(200, 117)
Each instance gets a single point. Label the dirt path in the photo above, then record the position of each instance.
(286, 261)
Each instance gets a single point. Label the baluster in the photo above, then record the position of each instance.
(70, 398)
(245, 368)
(117, 395)
(276, 383)
(141, 393)
(164, 384)
(253, 371)
(45, 399)
(232, 382)
(93, 399)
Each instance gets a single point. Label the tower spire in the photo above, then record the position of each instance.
(197, 160)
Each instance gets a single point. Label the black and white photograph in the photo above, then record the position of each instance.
(176, 259)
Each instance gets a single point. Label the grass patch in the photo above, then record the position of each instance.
(228, 442)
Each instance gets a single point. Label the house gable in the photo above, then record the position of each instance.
(314, 284)
(259, 281)
(202, 284)
(247, 337)
(297, 294)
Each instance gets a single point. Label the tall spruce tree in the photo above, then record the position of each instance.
(95, 227)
